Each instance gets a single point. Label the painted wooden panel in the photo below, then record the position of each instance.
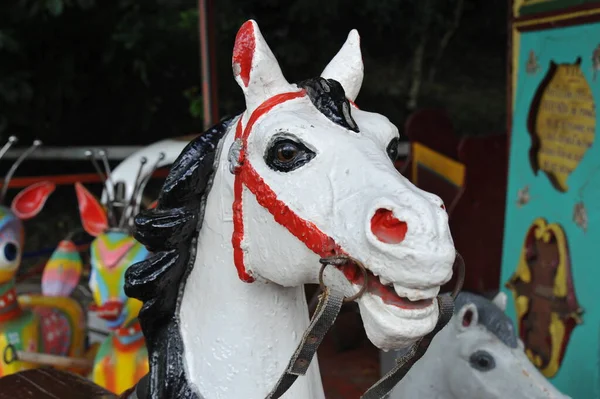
(550, 266)
(531, 7)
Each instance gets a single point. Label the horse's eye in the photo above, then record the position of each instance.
(285, 155)
(482, 361)
(286, 152)
(392, 149)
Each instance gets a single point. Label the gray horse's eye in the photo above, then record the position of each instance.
(482, 361)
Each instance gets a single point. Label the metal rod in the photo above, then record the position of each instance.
(15, 165)
(104, 158)
(144, 183)
(114, 153)
(11, 140)
(131, 204)
(207, 61)
(111, 211)
(11, 354)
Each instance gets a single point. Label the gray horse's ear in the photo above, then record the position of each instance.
(500, 300)
(467, 317)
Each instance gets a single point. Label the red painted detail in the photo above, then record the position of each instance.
(30, 201)
(266, 107)
(243, 51)
(153, 205)
(443, 207)
(11, 314)
(467, 318)
(123, 332)
(353, 104)
(11, 309)
(238, 220)
(55, 331)
(317, 241)
(93, 215)
(387, 228)
(110, 310)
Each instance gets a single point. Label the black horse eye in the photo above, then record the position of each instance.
(285, 155)
(482, 361)
(10, 251)
(392, 149)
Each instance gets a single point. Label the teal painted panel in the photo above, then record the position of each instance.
(579, 375)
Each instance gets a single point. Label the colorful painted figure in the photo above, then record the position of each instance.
(545, 298)
(478, 355)
(31, 323)
(122, 358)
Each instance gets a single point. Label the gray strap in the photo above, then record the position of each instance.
(385, 385)
(327, 311)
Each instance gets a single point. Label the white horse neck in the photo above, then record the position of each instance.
(425, 380)
(238, 337)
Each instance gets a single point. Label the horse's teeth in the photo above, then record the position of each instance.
(414, 294)
(384, 281)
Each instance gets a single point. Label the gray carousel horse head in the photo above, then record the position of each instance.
(478, 355)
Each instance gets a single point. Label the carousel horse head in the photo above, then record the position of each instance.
(315, 178)
(114, 249)
(310, 176)
(477, 355)
(26, 204)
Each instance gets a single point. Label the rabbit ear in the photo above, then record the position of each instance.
(255, 68)
(347, 66)
(92, 213)
(31, 200)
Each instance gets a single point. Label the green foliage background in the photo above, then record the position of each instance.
(127, 72)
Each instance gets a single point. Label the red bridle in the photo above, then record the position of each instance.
(245, 175)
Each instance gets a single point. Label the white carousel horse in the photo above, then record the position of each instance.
(476, 356)
(248, 210)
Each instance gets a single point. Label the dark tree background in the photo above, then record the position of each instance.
(84, 72)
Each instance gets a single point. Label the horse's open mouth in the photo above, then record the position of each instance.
(385, 291)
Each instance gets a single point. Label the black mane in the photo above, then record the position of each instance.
(328, 96)
(170, 231)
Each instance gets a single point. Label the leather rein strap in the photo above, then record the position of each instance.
(328, 308)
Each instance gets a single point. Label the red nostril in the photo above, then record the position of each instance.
(387, 228)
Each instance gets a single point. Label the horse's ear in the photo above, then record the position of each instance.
(467, 316)
(500, 301)
(93, 215)
(347, 66)
(31, 200)
(255, 68)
